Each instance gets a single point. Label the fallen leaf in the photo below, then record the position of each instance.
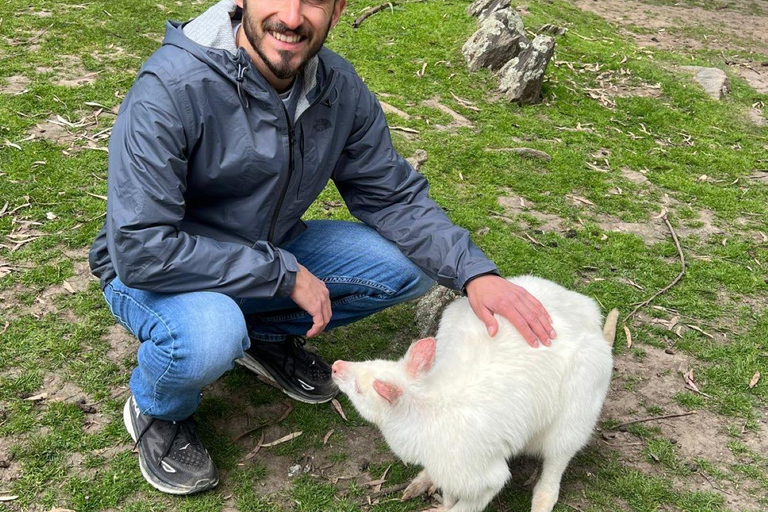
(68, 287)
(50, 216)
(755, 378)
(37, 398)
(97, 196)
(288, 410)
(337, 406)
(673, 322)
(581, 199)
(5, 327)
(374, 483)
(327, 436)
(629, 336)
(253, 452)
(8, 498)
(688, 376)
(283, 439)
(404, 129)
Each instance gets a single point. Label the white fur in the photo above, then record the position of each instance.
(487, 399)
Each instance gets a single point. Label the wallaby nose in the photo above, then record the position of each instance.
(337, 367)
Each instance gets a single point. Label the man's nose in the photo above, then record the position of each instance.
(291, 15)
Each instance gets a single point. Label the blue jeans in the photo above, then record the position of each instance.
(188, 340)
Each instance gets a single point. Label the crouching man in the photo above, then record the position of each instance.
(230, 132)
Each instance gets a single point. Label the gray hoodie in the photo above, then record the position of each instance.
(209, 176)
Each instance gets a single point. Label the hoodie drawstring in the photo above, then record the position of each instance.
(239, 79)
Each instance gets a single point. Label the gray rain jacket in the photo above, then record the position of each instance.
(209, 177)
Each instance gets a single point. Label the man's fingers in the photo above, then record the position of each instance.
(536, 317)
(487, 318)
(522, 326)
(318, 326)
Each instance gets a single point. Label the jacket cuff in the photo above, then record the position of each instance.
(290, 269)
(482, 269)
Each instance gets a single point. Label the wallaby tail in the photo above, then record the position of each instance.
(609, 329)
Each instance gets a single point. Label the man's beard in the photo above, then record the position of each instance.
(282, 67)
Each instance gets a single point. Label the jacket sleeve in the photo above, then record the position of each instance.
(145, 206)
(382, 189)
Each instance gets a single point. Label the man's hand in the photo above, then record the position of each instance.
(311, 295)
(491, 294)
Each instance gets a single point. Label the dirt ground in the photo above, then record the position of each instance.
(740, 25)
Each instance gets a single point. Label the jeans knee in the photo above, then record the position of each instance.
(211, 339)
(419, 284)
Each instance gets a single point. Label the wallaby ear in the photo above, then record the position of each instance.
(420, 357)
(388, 392)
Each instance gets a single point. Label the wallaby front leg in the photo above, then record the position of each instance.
(418, 486)
(547, 489)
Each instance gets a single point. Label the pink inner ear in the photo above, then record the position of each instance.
(420, 356)
(388, 392)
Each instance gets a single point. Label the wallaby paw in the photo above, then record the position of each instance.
(418, 486)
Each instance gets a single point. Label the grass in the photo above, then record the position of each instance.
(62, 456)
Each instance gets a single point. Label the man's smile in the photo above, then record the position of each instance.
(286, 38)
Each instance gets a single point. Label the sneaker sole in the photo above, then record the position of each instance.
(256, 367)
(201, 485)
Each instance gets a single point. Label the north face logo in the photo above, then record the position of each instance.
(322, 124)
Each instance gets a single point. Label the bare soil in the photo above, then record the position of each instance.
(738, 24)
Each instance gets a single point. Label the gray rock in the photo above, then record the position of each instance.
(482, 8)
(522, 77)
(714, 81)
(430, 308)
(501, 37)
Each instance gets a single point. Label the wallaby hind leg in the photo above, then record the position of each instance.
(547, 489)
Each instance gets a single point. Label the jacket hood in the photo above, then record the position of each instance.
(210, 39)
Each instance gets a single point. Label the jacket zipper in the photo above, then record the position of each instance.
(291, 142)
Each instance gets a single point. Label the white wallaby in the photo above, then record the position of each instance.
(460, 405)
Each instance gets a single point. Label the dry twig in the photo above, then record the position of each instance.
(371, 11)
(673, 283)
(288, 410)
(654, 418)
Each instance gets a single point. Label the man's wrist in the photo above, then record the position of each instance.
(466, 283)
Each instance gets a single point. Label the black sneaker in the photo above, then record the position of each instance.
(171, 456)
(301, 374)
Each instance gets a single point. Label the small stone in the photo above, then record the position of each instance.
(294, 470)
(669, 351)
(714, 81)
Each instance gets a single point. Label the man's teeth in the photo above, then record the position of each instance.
(285, 38)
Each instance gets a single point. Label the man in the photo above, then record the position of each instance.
(229, 133)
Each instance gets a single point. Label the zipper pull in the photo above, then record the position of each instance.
(239, 79)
